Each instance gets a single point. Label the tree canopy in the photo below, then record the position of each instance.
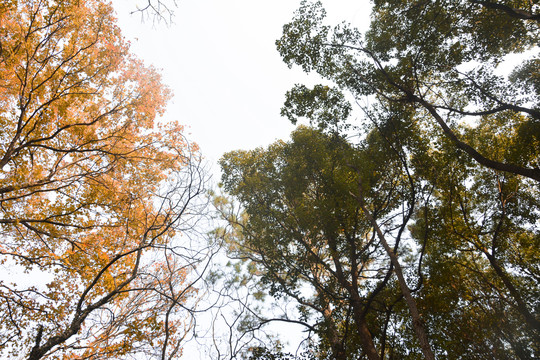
(94, 190)
(438, 59)
(419, 239)
(402, 223)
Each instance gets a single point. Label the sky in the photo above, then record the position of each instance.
(228, 80)
(220, 61)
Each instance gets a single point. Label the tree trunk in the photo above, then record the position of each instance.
(363, 331)
(411, 303)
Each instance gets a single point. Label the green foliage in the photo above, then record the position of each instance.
(322, 105)
(305, 233)
(263, 353)
(448, 163)
(441, 57)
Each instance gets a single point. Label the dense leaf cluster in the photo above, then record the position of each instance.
(420, 240)
(93, 190)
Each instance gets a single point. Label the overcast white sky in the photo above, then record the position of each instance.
(220, 60)
(228, 80)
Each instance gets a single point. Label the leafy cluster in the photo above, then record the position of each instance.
(419, 240)
(93, 190)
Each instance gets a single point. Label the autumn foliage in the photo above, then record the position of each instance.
(93, 189)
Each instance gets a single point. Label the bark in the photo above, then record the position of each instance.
(338, 350)
(533, 173)
(363, 331)
(366, 340)
(417, 322)
(482, 160)
(513, 12)
(521, 305)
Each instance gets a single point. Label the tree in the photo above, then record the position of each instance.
(307, 227)
(439, 57)
(415, 237)
(479, 259)
(94, 191)
(430, 71)
(440, 188)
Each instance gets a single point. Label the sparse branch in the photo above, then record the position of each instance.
(158, 10)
